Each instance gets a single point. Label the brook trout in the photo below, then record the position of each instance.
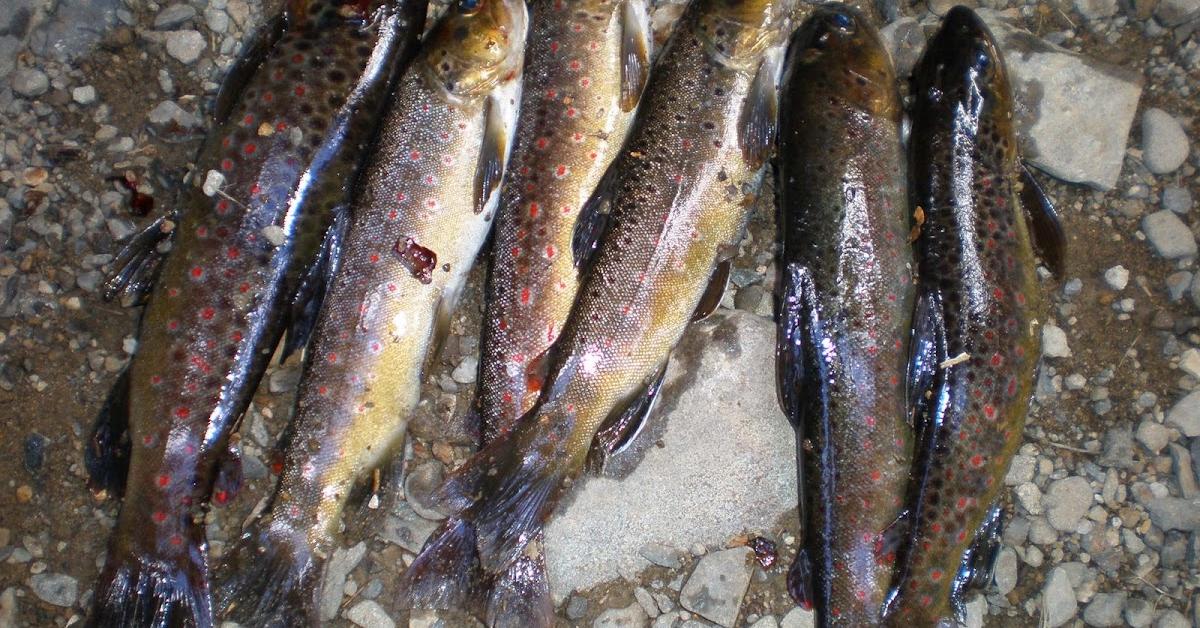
(681, 192)
(585, 68)
(975, 342)
(415, 232)
(846, 308)
(292, 122)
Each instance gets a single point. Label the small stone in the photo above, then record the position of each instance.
(798, 618)
(340, 564)
(55, 588)
(1067, 501)
(369, 614)
(217, 20)
(646, 600)
(1177, 199)
(1118, 447)
(1116, 277)
(30, 82)
(1054, 342)
(1177, 285)
(1174, 513)
(1185, 476)
(662, 555)
(1096, 9)
(1185, 415)
(283, 380)
(167, 113)
(766, 622)
(1058, 599)
(632, 616)
(1030, 498)
(1172, 618)
(173, 17)
(1020, 470)
(89, 281)
(85, 95)
(1005, 571)
(1175, 12)
(466, 370)
(1138, 612)
(1164, 144)
(1153, 436)
(717, 584)
(406, 528)
(274, 234)
(185, 46)
(1105, 609)
(1168, 235)
(904, 38)
(24, 493)
(577, 606)
(8, 608)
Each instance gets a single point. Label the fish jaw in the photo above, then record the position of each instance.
(571, 127)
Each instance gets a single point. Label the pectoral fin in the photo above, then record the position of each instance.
(490, 169)
(306, 304)
(635, 53)
(254, 52)
(926, 357)
(106, 455)
(592, 222)
(1049, 238)
(760, 113)
(798, 322)
(717, 284)
(136, 266)
(621, 428)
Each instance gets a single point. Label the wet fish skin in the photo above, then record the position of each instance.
(846, 305)
(682, 191)
(975, 343)
(415, 231)
(289, 135)
(585, 67)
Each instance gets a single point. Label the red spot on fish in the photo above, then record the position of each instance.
(207, 313)
(322, 390)
(255, 189)
(374, 258)
(221, 496)
(248, 119)
(1020, 298)
(990, 411)
(176, 540)
(236, 336)
(554, 47)
(172, 292)
(332, 357)
(585, 82)
(148, 440)
(876, 476)
(962, 536)
(506, 397)
(502, 324)
(515, 251)
(977, 460)
(997, 359)
(222, 208)
(525, 295)
(541, 143)
(300, 90)
(962, 503)
(870, 420)
(935, 575)
(550, 251)
(572, 112)
(244, 287)
(226, 164)
(250, 148)
(575, 65)
(415, 155)
(1012, 387)
(936, 527)
(297, 58)
(172, 325)
(998, 294)
(926, 600)
(233, 252)
(391, 287)
(561, 171)
(281, 127)
(163, 480)
(392, 215)
(159, 516)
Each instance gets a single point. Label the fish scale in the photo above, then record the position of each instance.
(975, 344)
(291, 136)
(846, 308)
(410, 244)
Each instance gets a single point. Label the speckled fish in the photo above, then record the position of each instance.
(681, 192)
(846, 308)
(585, 68)
(976, 341)
(292, 121)
(415, 232)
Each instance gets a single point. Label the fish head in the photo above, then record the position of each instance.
(962, 73)
(739, 31)
(839, 48)
(477, 46)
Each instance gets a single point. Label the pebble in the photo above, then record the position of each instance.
(8, 608)
(1185, 475)
(1185, 415)
(340, 564)
(798, 618)
(1175, 12)
(1178, 284)
(1020, 470)
(1174, 513)
(84, 95)
(1177, 199)
(466, 370)
(1105, 609)
(1169, 236)
(406, 528)
(1004, 572)
(1058, 599)
(632, 616)
(1172, 618)
(369, 614)
(1152, 436)
(173, 17)
(30, 82)
(168, 112)
(1054, 342)
(1138, 612)
(1096, 9)
(717, 584)
(662, 555)
(1116, 277)
(577, 606)
(646, 600)
(185, 46)
(1164, 144)
(1030, 497)
(1067, 501)
(55, 588)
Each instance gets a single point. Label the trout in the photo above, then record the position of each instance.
(975, 342)
(845, 309)
(681, 193)
(292, 121)
(585, 68)
(415, 231)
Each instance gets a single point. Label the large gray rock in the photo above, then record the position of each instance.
(1185, 415)
(717, 585)
(55, 588)
(1067, 501)
(1176, 12)
(1095, 9)
(632, 616)
(1175, 513)
(369, 614)
(30, 82)
(1105, 609)
(700, 486)
(1073, 113)
(1168, 235)
(1164, 144)
(1058, 599)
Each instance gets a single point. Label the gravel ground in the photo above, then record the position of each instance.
(1104, 512)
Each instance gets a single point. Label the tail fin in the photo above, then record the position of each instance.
(141, 590)
(520, 595)
(270, 578)
(446, 575)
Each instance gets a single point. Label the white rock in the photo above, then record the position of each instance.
(798, 618)
(213, 182)
(1168, 235)
(1054, 342)
(1189, 362)
(369, 614)
(173, 16)
(30, 82)
(340, 564)
(1058, 599)
(717, 585)
(185, 46)
(724, 406)
(1116, 277)
(1152, 435)
(1094, 9)
(84, 95)
(466, 370)
(1067, 501)
(1185, 415)
(1005, 572)
(1164, 144)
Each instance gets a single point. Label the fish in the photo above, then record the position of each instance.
(585, 68)
(425, 206)
(681, 192)
(846, 307)
(975, 342)
(247, 263)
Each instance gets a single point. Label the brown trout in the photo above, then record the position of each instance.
(975, 342)
(845, 311)
(292, 122)
(681, 192)
(585, 68)
(415, 231)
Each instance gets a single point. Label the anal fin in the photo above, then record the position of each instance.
(136, 266)
(1049, 237)
(718, 283)
(306, 304)
(106, 455)
(621, 428)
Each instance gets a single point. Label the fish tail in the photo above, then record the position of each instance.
(446, 574)
(520, 596)
(270, 577)
(139, 589)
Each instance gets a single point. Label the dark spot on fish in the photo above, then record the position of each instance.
(419, 260)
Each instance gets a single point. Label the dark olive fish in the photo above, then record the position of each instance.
(846, 305)
(682, 190)
(585, 67)
(975, 342)
(292, 124)
(415, 232)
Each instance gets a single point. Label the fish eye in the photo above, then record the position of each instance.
(468, 6)
(982, 59)
(842, 21)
